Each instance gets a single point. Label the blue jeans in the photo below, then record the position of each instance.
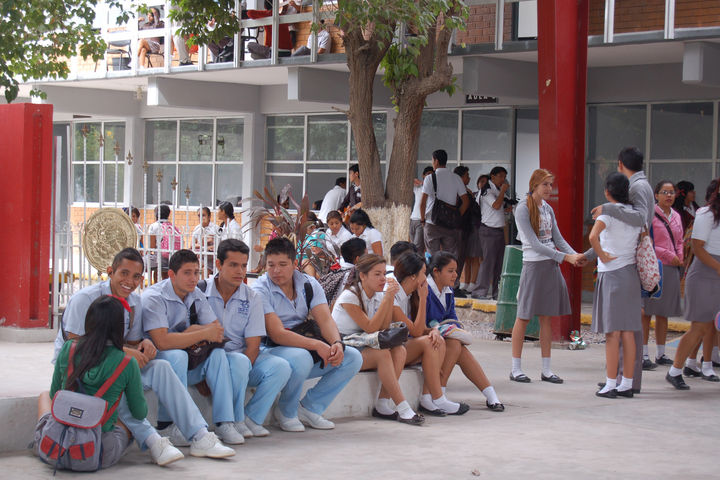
(215, 370)
(159, 377)
(333, 380)
(269, 375)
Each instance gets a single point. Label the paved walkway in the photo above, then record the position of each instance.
(547, 431)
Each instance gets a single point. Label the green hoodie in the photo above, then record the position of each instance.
(128, 382)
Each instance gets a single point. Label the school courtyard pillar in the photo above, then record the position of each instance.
(26, 209)
(562, 84)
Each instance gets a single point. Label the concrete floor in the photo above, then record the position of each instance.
(547, 431)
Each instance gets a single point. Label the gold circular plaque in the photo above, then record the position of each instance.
(106, 232)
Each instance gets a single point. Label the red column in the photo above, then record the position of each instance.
(562, 78)
(25, 210)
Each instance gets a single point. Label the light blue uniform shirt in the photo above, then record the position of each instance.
(77, 307)
(241, 317)
(162, 308)
(291, 312)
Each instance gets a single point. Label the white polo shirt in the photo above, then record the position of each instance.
(332, 201)
(345, 323)
(449, 188)
(491, 217)
(417, 191)
(705, 229)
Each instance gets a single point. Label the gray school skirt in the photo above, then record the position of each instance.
(542, 290)
(668, 305)
(702, 292)
(616, 301)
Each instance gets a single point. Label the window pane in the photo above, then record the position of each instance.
(87, 148)
(284, 167)
(438, 130)
(380, 127)
(228, 183)
(318, 184)
(90, 191)
(596, 188)
(682, 130)
(278, 182)
(487, 134)
(699, 174)
(285, 138)
(109, 183)
(327, 137)
(166, 193)
(199, 179)
(114, 138)
(196, 140)
(610, 128)
(230, 139)
(337, 167)
(160, 139)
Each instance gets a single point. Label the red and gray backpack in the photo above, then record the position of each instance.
(71, 438)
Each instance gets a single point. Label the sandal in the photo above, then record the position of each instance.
(415, 420)
(522, 378)
(495, 407)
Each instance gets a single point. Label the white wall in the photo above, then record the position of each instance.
(527, 149)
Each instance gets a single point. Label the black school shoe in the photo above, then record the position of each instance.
(711, 378)
(677, 382)
(663, 360)
(462, 409)
(393, 416)
(649, 365)
(522, 378)
(416, 420)
(609, 394)
(625, 393)
(495, 407)
(435, 413)
(552, 378)
(689, 372)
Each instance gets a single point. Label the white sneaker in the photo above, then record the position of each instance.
(288, 424)
(210, 446)
(175, 435)
(314, 420)
(163, 452)
(257, 430)
(227, 432)
(243, 429)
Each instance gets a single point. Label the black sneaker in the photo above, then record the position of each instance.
(663, 360)
(677, 382)
(649, 365)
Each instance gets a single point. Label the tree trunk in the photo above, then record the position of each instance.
(403, 159)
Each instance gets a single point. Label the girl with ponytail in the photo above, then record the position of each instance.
(542, 290)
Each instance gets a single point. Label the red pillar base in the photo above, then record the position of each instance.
(25, 207)
(562, 79)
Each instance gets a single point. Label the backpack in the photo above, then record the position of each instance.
(333, 282)
(169, 231)
(71, 437)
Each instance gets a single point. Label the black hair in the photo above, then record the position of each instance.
(428, 169)
(360, 217)
(352, 249)
(334, 214)
(280, 245)
(162, 212)
(460, 170)
(228, 209)
(441, 260)
(180, 258)
(355, 168)
(204, 209)
(618, 186)
(631, 158)
(660, 184)
(440, 156)
(340, 181)
(486, 176)
(401, 247)
(231, 245)
(498, 169)
(682, 189)
(104, 323)
(714, 201)
(127, 254)
(710, 190)
(407, 265)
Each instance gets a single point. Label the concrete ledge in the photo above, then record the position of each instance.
(27, 335)
(18, 416)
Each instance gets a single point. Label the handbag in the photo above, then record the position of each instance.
(393, 336)
(647, 264)
(199, 352)
(443, 214)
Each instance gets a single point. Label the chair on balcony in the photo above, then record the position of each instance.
(122, 55)
(248, 35)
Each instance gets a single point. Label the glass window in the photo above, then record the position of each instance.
(89, 190)
(698, 173)
(228, 182)
(166, 194)
(113, 186)
(319, 183)
(487, 134)
(682, 130)
(438, 130)
(160, 140)
(610, 128)
(327, 137)
(285, 138)
(380, 127)
(230, 136)
(114, 149)
(199, 179)
(87, 147)
(275, 167)
(196, 140)
(596, 184)
(278, 183)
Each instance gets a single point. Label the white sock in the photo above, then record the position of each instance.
(200, 433)
(707, 369)
(405, 410)
(625, 384)
(384, 406)
(716, 355)
(446, 405)
(152, 439)
(491, 396)
(443, 389)
(516, 368)
(610, 384)
(660, 350)
(674, 372)
(692, 363)
(426, 401)
(645, 352)
(546, 367)
(463, 285)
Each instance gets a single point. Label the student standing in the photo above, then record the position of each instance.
(616, 304)
(416, 225)
(332, 199)
(542, 290)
